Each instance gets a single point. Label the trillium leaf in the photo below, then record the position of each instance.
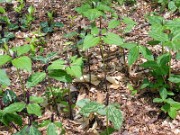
(23, 63)
(91, 107)
(58, 64)
(113, 39)
(4, 79)
(90, 41)
(15, 107)
(8, 97)
(34, 108)
(113, 24)
(60, 75)
(35, 78)
(4, 59)
(115, 116)
(92, 14)
(22, 49)
(133, 55)
(52, 129)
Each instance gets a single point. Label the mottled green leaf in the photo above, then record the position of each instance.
(115, 116)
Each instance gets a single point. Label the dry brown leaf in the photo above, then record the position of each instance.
(100, 97)
(85, 78)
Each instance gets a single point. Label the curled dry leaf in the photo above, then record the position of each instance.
(100, 97)
(85, 78)
(115, 81)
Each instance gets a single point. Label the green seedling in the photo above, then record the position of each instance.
(169, 105)
(111, 112)
(172, 5)
(49, 25)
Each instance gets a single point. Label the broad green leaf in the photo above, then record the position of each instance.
(83, 8)
(75, 69)
(172, 112)
(23, 63)
(173, 103)
(165, 107)
(22, 49)
(90, 41)
(58, 24)
(163, 59)
(47, 29)
(145, 84)
(33, 131)
(176, 42)
(159, 36)
(146, 53)
(31, 10)
(113, 39)
(35, 78)
(8, 97)
(163, 93)
(12, 117)
(104, 7)
(92, 14)
(9, 35)
(128, 45)
(157, 100)
(130, 24)
(94, 31)
(35, 99)
(81, 103)
(44, 24)
(173, 24)
(15, 107)
(150, 64)
(4, 79)
(155, 20)
(4, 59)
(91, 107)
(34, 108)
(174, 78)
(52, 130)
(2, 10)
(172, 6)
(113, 24)
(57, 64)
(115, 116)
(133, 55)
(60, 75)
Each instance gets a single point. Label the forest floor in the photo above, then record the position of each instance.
(141, 115)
